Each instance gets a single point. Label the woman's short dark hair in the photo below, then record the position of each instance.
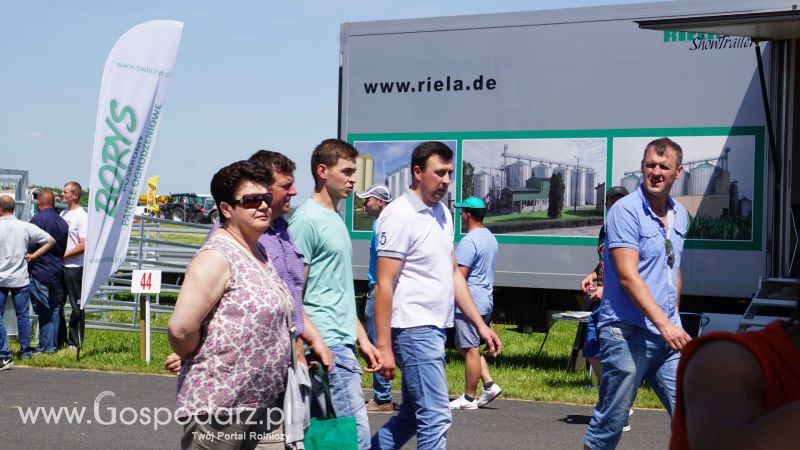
(424, 151)
(227, 180)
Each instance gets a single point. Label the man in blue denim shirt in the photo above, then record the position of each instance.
(640, 330)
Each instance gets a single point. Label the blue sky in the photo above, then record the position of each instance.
(249, 75)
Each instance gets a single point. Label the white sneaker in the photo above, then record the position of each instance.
(627, 426)
(463, 403)
(489, 395)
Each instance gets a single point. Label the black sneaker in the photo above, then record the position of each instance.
(6, 363)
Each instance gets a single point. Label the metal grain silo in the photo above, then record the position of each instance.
(589, 194)
(578, 194)
(629, 182)
(567, 179)
(517, 173)
(405, 178)
(679, 187)
(369, 174)
(745, 206)
(359, 174)
(701, 178)
(481, 182)
(543, 171)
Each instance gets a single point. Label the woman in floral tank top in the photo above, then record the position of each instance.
(229, 325)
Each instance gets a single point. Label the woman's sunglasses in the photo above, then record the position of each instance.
(253, 201)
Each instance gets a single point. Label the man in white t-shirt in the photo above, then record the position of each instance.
(78, 222)
(417, 282)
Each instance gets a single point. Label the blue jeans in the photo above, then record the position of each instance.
(21, 306)
(46, 299)
(630, 355)
(346, 393)
(419, 353)
(381, 387)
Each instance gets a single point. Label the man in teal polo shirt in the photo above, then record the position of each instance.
(329, 299)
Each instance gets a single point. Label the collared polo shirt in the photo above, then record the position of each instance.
(47, 269)
(631, 223)
(15, 238)
(422, 237)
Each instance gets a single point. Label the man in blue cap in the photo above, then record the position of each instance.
(376, 198)
(476, 255)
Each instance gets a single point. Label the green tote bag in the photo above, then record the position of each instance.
(332, 432)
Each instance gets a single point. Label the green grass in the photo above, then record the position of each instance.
(198, 237)
(523, 377)
(516, 370)
(566, 215)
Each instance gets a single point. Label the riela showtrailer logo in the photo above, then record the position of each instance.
(707, 41)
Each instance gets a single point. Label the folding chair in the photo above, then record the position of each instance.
(693, 323)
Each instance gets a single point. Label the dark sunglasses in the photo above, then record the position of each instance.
(670, 253)
(253, 201)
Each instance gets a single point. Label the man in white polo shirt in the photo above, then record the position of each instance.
(417, 282)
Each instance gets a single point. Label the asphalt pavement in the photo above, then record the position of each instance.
(132, 411)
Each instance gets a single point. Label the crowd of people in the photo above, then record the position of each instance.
(420, 284)
(41, 265)
(266, 293)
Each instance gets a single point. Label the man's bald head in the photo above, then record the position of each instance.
(46, 199)
(6, 204)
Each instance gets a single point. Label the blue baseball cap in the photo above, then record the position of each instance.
(472, 203)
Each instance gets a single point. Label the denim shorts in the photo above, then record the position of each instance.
(466, 334)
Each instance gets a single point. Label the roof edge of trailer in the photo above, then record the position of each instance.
(765, 25)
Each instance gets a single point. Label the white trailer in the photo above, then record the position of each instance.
(580, 91)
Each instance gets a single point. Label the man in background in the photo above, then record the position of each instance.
(375, 200)
(78, 223)
(46, 273)
(476, 255)
(16, 237)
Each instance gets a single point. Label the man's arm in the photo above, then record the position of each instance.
(467, 306)
(386, 276)
(723, 394)
(77, 250)
(626, 260)
(680, 288)
(315, 343)
(368, 351)
(30, 257)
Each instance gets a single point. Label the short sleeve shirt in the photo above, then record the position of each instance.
(15, 238)
(373, 255)
(329, 299)
(478, 252)
(78, 222)
(422, 237)
(48, 268)
(632, 224)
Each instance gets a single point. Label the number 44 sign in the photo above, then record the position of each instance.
(146, 282)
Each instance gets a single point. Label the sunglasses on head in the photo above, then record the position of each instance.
(252, 201)
(670, 253)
